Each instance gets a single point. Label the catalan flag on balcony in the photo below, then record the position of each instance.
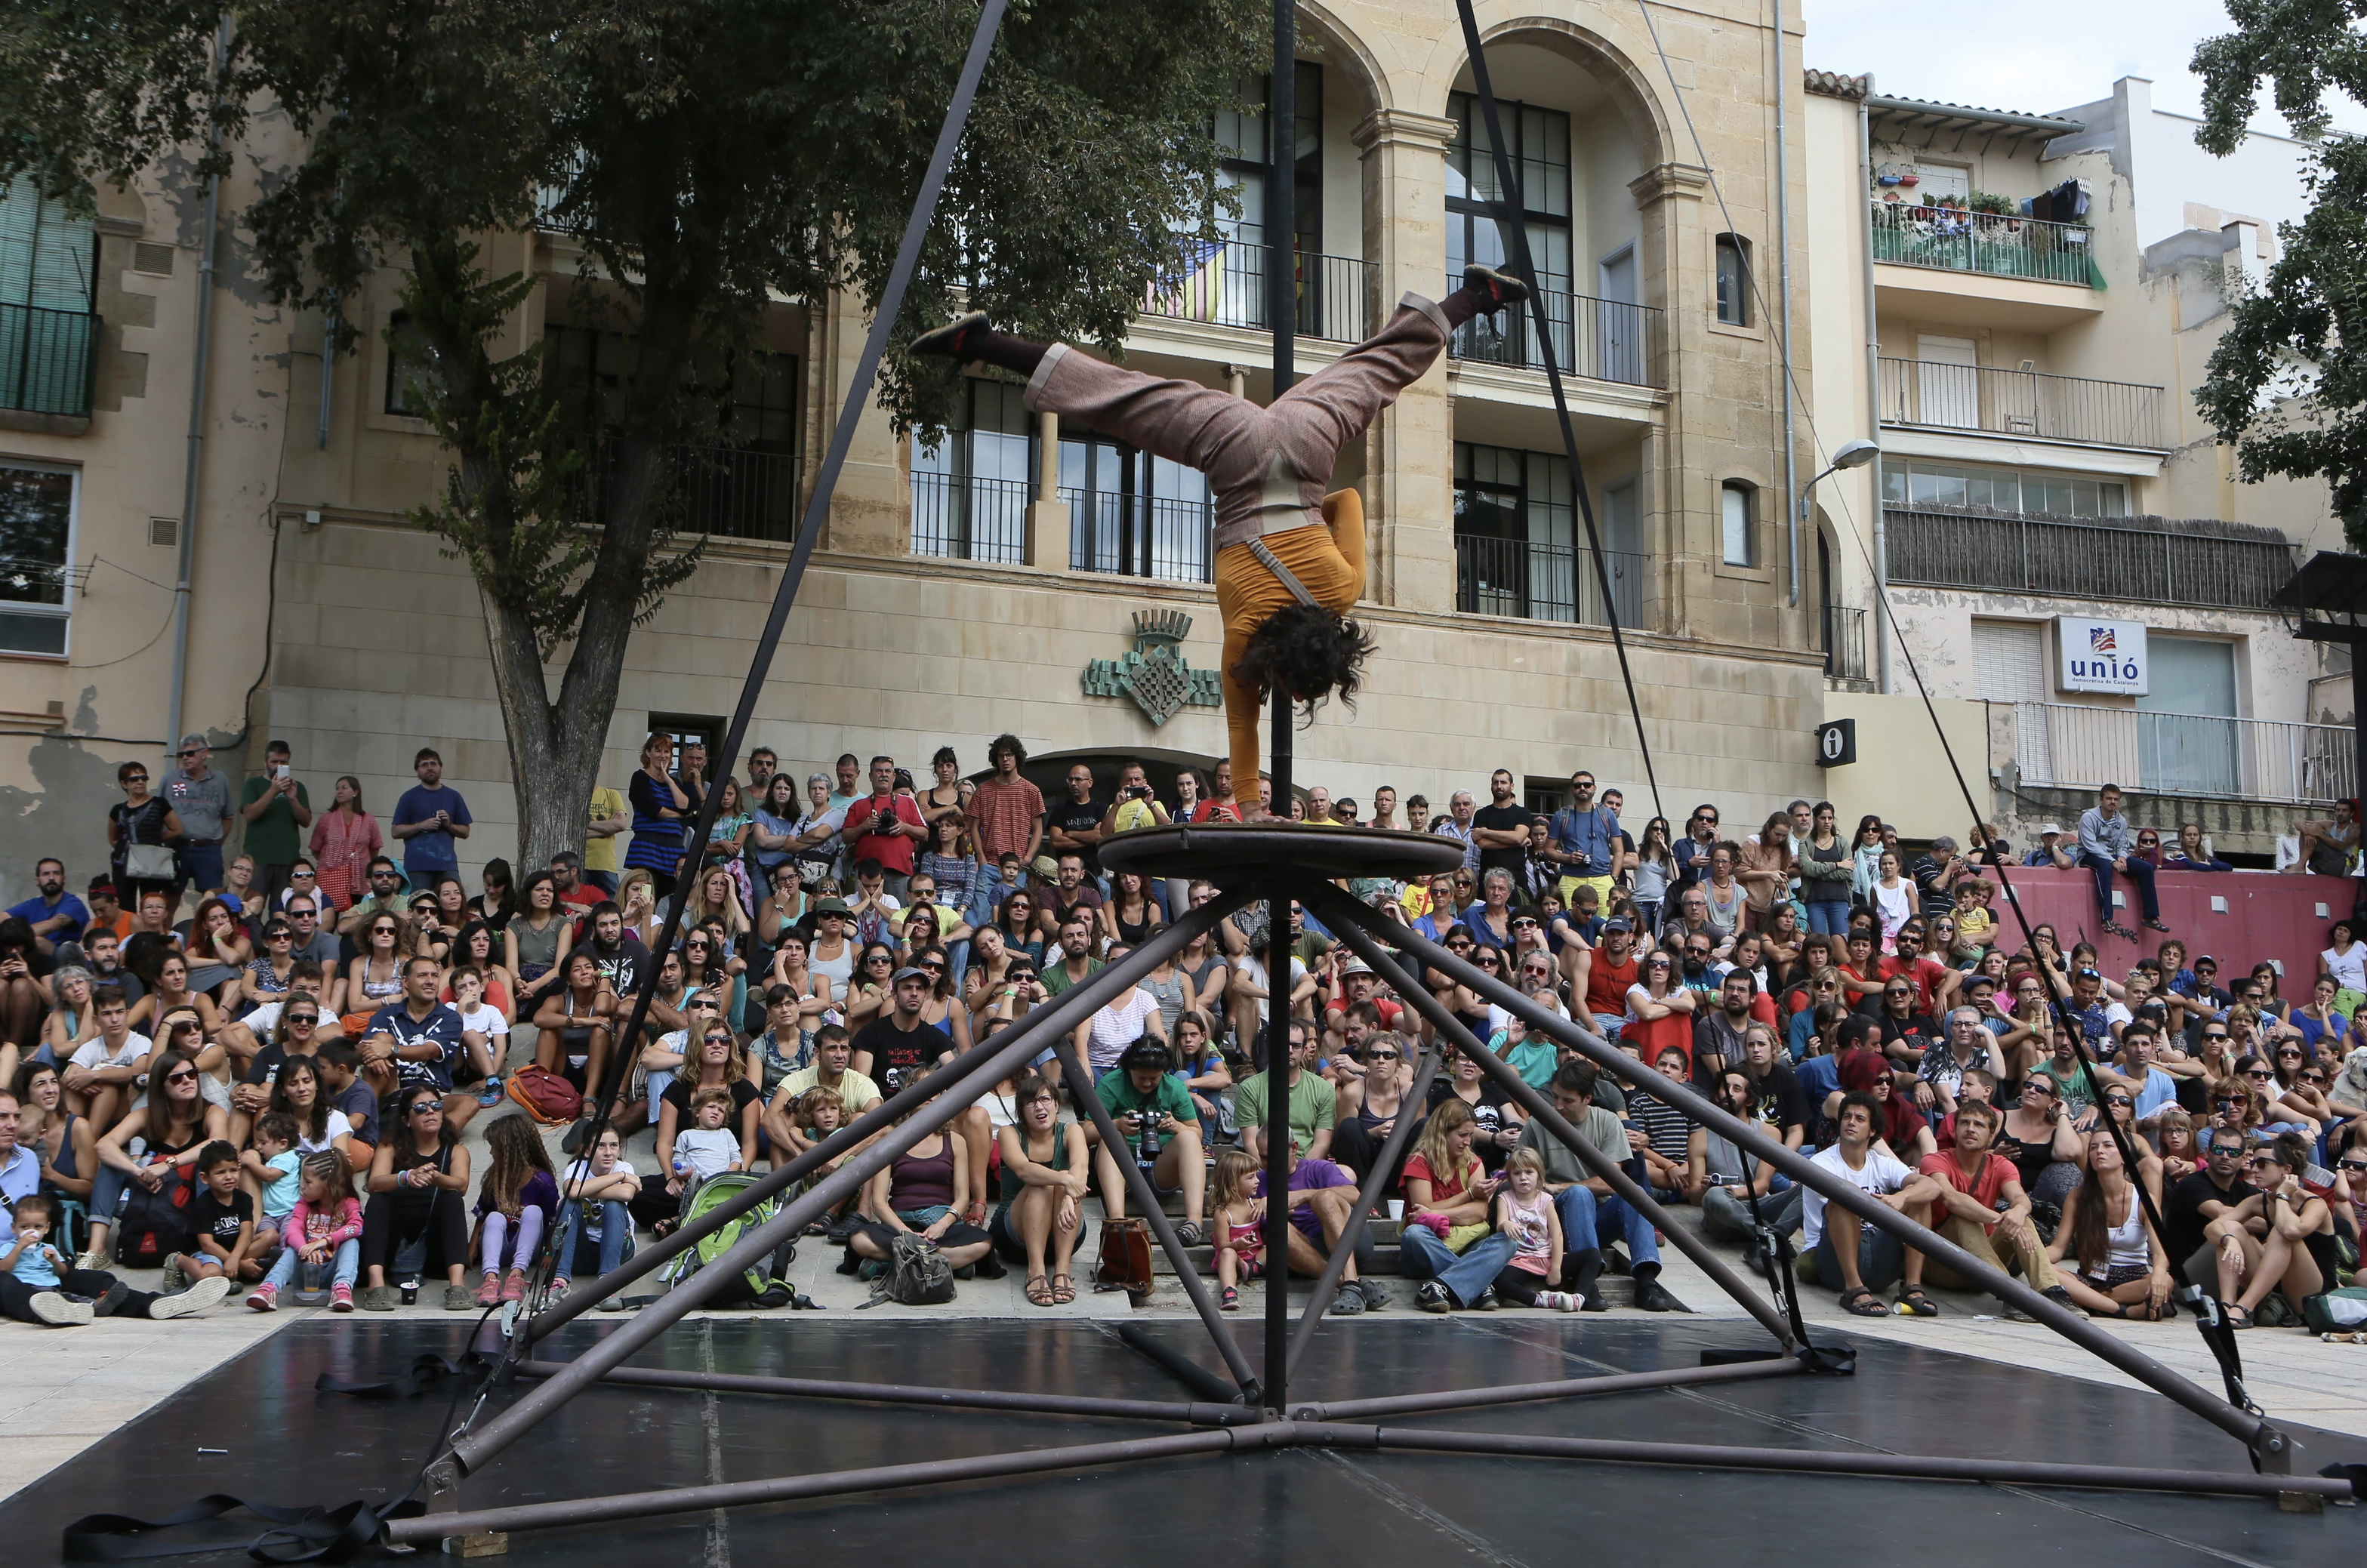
(1195, 291)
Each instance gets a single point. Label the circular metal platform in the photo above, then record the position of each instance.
(1214, 848)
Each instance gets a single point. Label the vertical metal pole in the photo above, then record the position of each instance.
(2358, 715)
(1282, 271)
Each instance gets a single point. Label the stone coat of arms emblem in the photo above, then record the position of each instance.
(1155, 674)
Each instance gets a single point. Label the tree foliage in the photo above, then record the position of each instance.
(707, 158)
(2287, 383)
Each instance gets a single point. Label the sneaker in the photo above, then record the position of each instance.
(196, 1299)
(1433, 1297)
(947, 340)
(555, 1292)
(2060, 1297)
(457, 1297)
(1487, 1300)
(263, 1298)
(1557, 1300)
(1504, 286)
(95, 1261)
(612, 1303)
(58, 1310)
(174, 1277)
(112, 1300)
(1349, 1302)
(1228, 1298)
(1377, 1295)
(489, 1293)
(490, 1095)
(514, 1286)
(1652, 1296)
(340, 1297)
(378, 1298)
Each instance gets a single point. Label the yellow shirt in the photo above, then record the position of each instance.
(1131, 815)
(602, 854)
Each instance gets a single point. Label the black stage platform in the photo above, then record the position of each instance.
(290, 1445)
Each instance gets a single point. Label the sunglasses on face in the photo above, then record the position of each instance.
(303, 1018)
(182, 1077)
(2258, 1073)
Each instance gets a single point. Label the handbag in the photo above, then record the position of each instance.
(150, 862)
(1123, 1263)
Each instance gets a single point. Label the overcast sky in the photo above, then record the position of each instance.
(2032, 55)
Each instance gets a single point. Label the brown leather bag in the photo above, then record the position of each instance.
(1125, 1261)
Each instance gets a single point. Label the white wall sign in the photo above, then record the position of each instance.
(2100, 656)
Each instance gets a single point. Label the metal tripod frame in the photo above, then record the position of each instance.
(1257, 1415)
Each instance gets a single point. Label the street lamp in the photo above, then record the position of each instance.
(1856, 455)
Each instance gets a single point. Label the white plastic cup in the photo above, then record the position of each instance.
(1396, 1208)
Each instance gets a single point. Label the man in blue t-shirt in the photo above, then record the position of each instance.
(418, 1040)
(1584, 841)
(57, 915)
(430, 820)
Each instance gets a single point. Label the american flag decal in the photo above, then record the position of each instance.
(2099, 640)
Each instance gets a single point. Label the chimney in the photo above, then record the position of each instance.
(2243, 251)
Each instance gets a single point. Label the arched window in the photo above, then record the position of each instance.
(1738, 522)
(1733, 280)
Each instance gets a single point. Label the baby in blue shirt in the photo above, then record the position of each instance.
(272, 1165)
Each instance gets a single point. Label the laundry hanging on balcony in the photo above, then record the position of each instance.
(2066, 203)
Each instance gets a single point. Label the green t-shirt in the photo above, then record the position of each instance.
(1314, 1106)
(1056, 973)
(1598, 1127)
(273, 839)
(1170, 1097)
(1534, 1059)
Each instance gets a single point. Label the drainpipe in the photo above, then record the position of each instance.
(193, 464)
(1874, 390)
(1783, 282)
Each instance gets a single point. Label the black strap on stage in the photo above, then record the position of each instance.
(1506, 209)
(423, 1372)
(298, 1535)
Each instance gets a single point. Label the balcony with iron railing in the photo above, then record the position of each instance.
(732, 493)
(1223, 283)
(2082, 558)
(1546, 581)
(47, 359)
(1602, 340)
(1934, 396)
(963, 518)
(1995, 244)
(2072, 745)
(1140, 536)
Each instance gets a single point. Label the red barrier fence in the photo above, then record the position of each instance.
(2240, 918)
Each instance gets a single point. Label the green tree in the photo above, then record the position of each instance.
(2287, 384)
(707, 156)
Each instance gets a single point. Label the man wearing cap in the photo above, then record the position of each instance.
(1603, 973)
(2052, 851)
(200, 798)
(897, 1048)
(2108, 844)
(1143, 1093)
(1355, 982)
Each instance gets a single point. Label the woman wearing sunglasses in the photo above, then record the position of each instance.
(172, 1124)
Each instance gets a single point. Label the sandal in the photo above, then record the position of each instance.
(1039, 1291)
(2237, 1317)
(1913, 1302)
(1064, 1290)
(1862, 1302)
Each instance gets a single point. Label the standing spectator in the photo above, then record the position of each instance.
(1936, 875)
(55, 915)
(661, 808)
(2107, 845)
(1692, 851)
(886, 827)
(1075, 824)
(1500, 829)
(1219, 805)
(1825, 873)
(144, 821)
(1457, 825)
(611, 817)
(431, 820)
(277, 810)
(200, 798)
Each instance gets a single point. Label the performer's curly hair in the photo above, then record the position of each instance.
(1308, 652)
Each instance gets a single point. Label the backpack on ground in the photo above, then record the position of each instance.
(154, 1226)
(918, 1274)
(545, 1096)
(2335, 1312)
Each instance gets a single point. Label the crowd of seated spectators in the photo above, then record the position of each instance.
(255, 1073)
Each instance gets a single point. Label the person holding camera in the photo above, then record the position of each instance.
(1136, 808)
(1161, 1128)
(887, 826)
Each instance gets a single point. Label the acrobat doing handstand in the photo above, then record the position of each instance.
(1290, 559)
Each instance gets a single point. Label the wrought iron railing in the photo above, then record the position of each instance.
(2075, 746)
(969, 519)
(47, 358)
(1605, 340)
(1844, 643)
(1544, 582)
(2081, 560)
(733, 492)
(1989, 242)
(2021, 402)
(1224, 282)
(1140, 536)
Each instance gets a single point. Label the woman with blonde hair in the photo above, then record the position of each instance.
(1450, 1242)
